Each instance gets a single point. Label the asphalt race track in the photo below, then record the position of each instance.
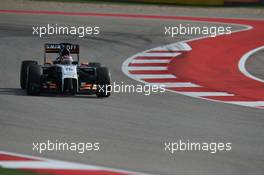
(131, 128)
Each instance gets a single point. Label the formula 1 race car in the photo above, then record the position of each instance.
(64, 74)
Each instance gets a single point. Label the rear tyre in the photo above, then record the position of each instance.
(23, 72)
(94, 64)
(103, 82)
(34, 80)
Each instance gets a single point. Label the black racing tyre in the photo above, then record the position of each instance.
(94, 64)
(23, 72)
(34, 80)
(103, 82)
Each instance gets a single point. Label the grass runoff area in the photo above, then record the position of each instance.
(6, 171)
(157, 2)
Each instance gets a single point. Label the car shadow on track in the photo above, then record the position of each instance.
(20, 92)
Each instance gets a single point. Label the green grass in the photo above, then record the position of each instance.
(6, 171)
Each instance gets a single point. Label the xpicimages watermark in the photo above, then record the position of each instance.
(146, 89)
(187, 145)
(188, 29)
(79, 147)
(50, 29)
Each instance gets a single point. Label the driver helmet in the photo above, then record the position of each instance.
(65, 51)
(66, 59)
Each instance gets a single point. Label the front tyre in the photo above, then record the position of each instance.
(34, 80)
(103, 82)
(23, 72)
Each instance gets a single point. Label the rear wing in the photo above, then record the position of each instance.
(56, 48)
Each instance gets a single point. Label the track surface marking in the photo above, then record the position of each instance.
(210, 68)
(55, 167)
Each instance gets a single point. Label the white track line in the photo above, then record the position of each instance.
(152, 76)
(170, 85)
(248, 103)
(46, 165)
(147, 68)
(206, 94)
(242, 64)
(180, 46)
(158, 54)
(151, 61)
